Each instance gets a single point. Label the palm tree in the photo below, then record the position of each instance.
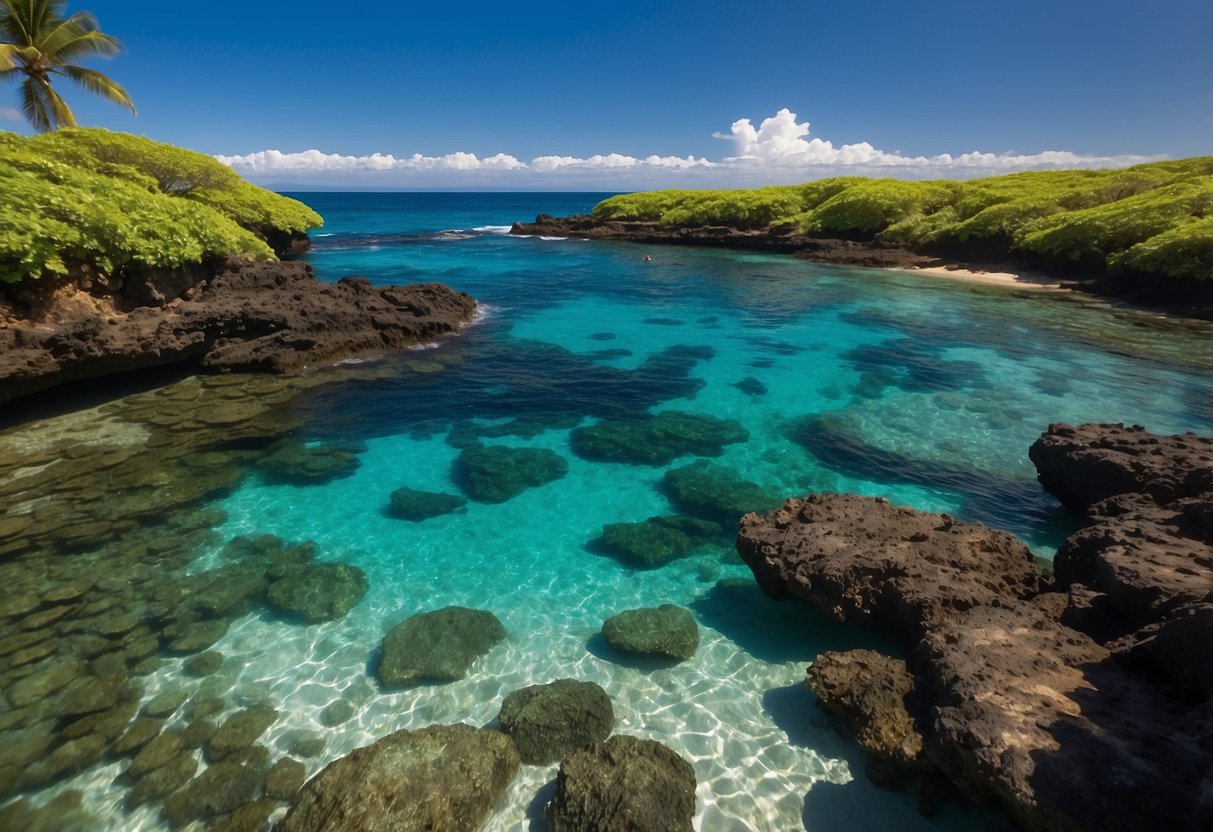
(37, 41)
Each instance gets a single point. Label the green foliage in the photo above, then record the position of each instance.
(1152, 217)
(118, 203)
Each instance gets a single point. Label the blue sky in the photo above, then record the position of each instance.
(896, 87)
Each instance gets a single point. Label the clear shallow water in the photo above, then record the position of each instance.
(923, 390)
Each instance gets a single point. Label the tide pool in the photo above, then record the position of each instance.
(926, 391)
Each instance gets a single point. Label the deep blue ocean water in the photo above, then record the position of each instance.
(925, 390)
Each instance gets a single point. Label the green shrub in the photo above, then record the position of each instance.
(1185, 251)
(116, 202)
(1149, 217)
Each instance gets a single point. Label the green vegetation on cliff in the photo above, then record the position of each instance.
(116, 203)
(1155, 218)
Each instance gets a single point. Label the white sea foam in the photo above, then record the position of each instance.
(542, 237)
(493, 229)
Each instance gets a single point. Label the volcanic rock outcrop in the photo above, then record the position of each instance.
(1084, 705)
(249, 316)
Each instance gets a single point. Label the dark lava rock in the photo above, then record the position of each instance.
(251, 316)
(291, 462)
(1175, 652)
(409, 504)
(667, 630)
(1029, 711)
(437, 646)
(625, 784)
(495, 473)
(656, 440)
(546, 722)
(716, 493)
(1147, 559)
(441, 777)
(865, 691)
(1082, 465)
(862, 560)
(321, 592)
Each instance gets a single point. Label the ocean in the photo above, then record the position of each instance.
(923, 390)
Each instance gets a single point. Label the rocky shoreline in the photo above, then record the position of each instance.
(241, 315)
(1153, 292)
(1078, 701)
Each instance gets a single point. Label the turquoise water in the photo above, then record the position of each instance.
(925, 390)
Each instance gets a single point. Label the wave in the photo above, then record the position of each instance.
(493, 229)
(542, 237)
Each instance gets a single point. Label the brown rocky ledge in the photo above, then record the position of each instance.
(1156, 292)
(249, 316)
(1087, 705)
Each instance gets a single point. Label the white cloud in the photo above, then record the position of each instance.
(10, 114)
(779, 150)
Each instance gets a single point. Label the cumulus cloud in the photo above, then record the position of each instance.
(10, 114)
(783, 142)
(780, 149)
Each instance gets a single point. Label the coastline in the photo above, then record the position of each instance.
(1156, 294)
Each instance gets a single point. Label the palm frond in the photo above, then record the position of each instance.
(74, 44)
(36, 108)
(63, 116)
(8, 56)
(100, 84)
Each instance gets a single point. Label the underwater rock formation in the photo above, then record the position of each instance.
(437, 646)
(319, 592)
(716, 493)
(440, 777)
(496, 473)
(547, 722)
(656, 541)
(410, 504)
(667, 630)
(623, 784)
(656, 439)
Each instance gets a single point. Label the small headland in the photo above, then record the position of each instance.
(1077, 700)
(1141, 236)
(125, 256)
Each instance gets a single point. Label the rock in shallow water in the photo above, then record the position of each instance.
(625, 784)
(716, 493)
(656, 541)
(437, 646)
(292, 462)
(322, 592)
(445, 777)
(667, 630)
(658, 439)
(865, 561)
(410, 504)
(496, 474)
(546, 722)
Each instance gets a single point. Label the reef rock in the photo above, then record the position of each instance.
(292, 462)
(319, 592)
(716, 493)
(656, 541)
(864, 561)
(625, 784)
(245, 315)
(656, 440)
(1085, 464)
(667, 630)
(546, 722)
(445, 777)
(410, 504)
(496, 473)
(437, 646)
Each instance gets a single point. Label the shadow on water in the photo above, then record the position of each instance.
(536, 810)
(776, 631)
